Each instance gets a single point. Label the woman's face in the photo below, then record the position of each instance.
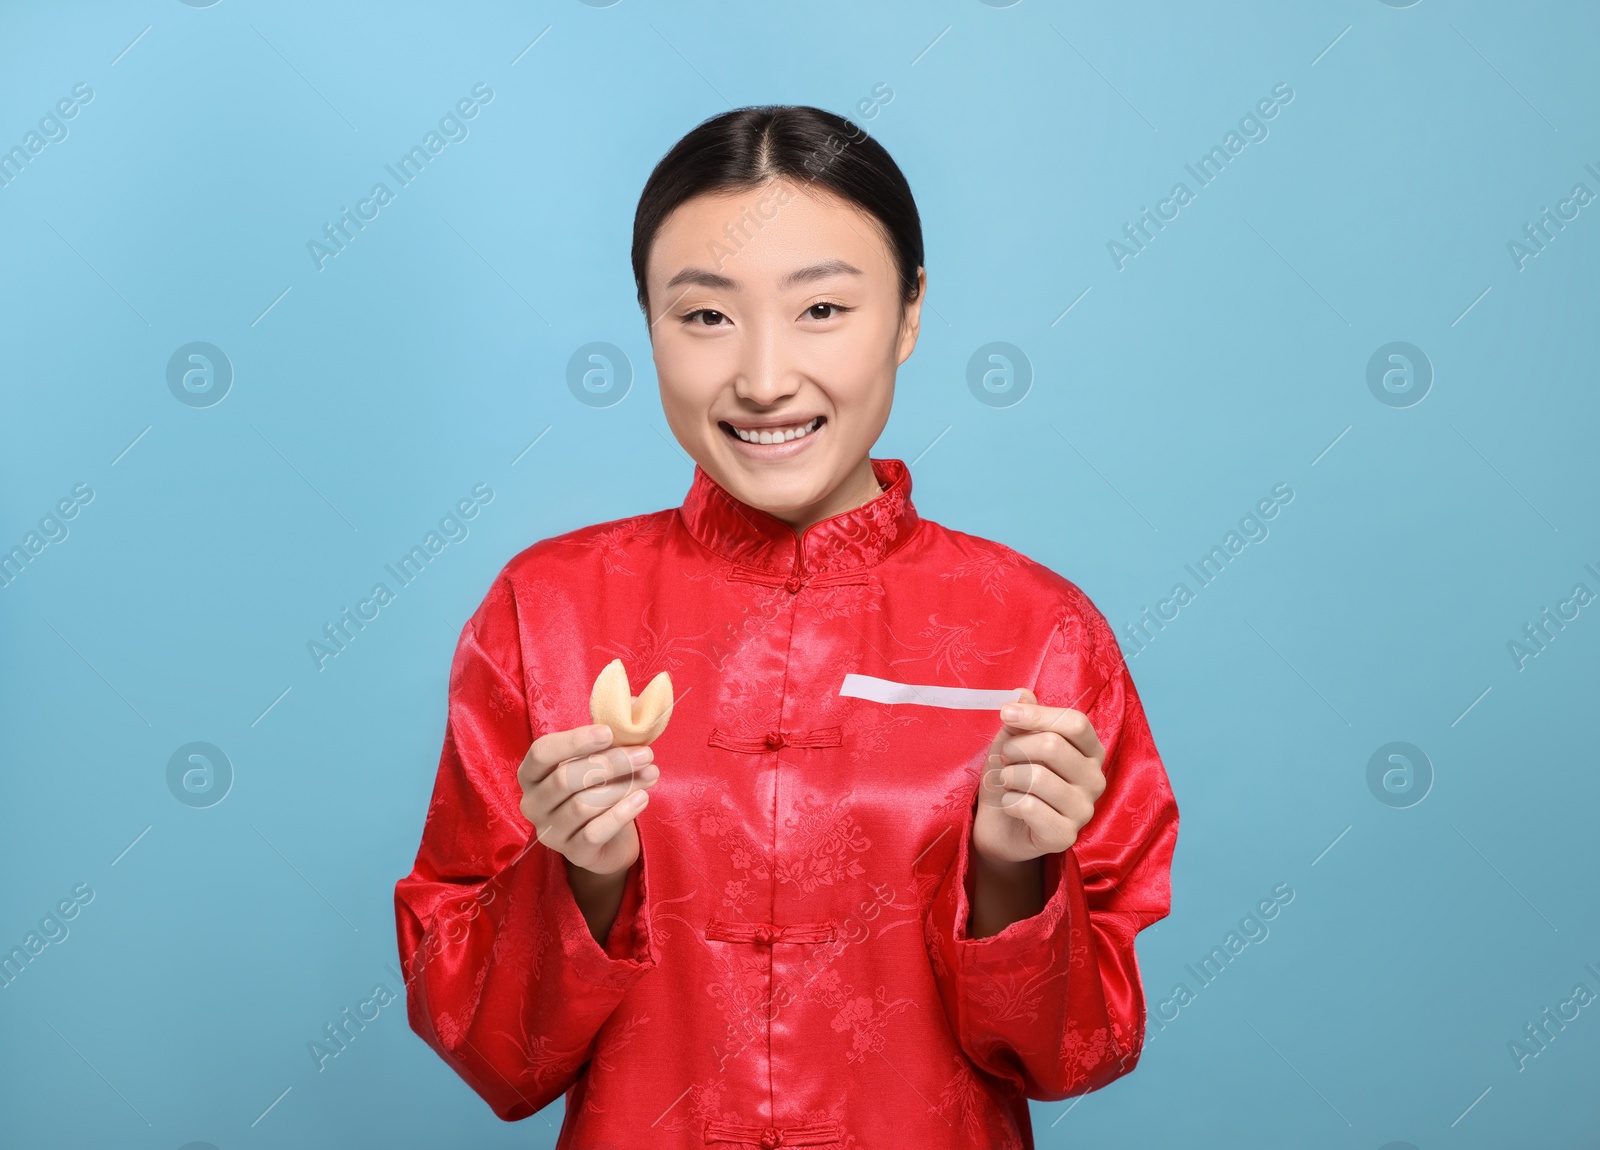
(774, 311)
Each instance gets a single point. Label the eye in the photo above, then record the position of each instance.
(705, 311)
(838, 309)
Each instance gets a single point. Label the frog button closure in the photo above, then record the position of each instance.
(775, 740)
(767, 933)
(772, 1137)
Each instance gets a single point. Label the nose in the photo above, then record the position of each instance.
(765, 370)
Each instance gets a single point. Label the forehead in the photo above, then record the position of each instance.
(756, 235)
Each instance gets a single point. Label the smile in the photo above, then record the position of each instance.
(780, 434)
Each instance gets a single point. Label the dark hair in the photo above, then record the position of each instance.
(749, 146)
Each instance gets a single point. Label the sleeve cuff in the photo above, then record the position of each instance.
(630, 946)
(1023, 937)
(629, 938)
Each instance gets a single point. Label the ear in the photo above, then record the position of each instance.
(911, 320)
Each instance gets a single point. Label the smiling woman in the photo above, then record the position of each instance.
(777, 371)
(908, 785)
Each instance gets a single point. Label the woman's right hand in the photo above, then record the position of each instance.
(581, 795)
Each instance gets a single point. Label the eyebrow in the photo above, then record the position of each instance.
(703, 278)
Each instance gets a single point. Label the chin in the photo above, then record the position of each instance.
(777, 495)
(778, 490)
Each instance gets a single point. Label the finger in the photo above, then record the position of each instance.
(558, 746)
(604, 789)
(1013, 719)
(1051, 750)
(1005, 783)
(593, 780)
(1006, 730)
(589, 773)
(1048, 827)
(1074, 726)
(1025, 699)
(1009, 783)
(558, 820)
(603, 827)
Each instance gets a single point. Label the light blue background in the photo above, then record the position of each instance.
(425, 358)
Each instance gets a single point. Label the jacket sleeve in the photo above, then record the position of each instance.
(503, 978)
(1053, 1004)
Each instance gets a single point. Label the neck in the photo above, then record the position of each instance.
(859, 488)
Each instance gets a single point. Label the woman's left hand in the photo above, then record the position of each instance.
(1042, 776)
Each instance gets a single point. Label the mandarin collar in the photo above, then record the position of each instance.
(849, 541)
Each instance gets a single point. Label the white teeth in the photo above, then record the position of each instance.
(780, 435)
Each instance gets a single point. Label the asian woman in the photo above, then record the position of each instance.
(878, 882)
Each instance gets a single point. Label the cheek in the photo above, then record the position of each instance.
(689, 373)
(856, 369)
(872, 341)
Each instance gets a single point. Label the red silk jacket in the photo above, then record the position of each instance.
(791, 964)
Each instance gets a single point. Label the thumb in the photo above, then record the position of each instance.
(1023, 696)
(1006, 730)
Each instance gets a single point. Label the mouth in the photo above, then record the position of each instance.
(774, 435)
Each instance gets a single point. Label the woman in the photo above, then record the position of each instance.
(840, 901)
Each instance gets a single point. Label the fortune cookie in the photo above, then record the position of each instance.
(633, 721)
